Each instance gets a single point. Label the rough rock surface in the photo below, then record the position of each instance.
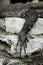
(38, 27)
(34, 46)
(16, 24)
(13, 9)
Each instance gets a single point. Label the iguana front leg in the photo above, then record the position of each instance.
(22, 42)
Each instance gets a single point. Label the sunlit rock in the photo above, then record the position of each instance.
(14, 24)
(8, 42)
(32, 46)
(1, 61)
(38, 27)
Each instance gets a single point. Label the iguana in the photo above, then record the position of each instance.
(29, 23)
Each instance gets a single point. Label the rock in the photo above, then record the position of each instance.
(15, 62)
(33, 45)
(8, 40)
(6, 61)
(1, 61)
(2, 24)
(13, 10)
(38, 27)
(14, 24)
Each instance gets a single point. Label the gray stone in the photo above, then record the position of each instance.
(38, 27)
(14, 24)
(8, 41)
(1, 61)
(2, 24)
(32, 46)
(15, 62)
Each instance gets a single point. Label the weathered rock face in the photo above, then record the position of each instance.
(13, 9)
(9, 10)
(38, 27)
(32, 46)
(8, 39)
(14, 26)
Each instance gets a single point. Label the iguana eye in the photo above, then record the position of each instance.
(29, 27)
